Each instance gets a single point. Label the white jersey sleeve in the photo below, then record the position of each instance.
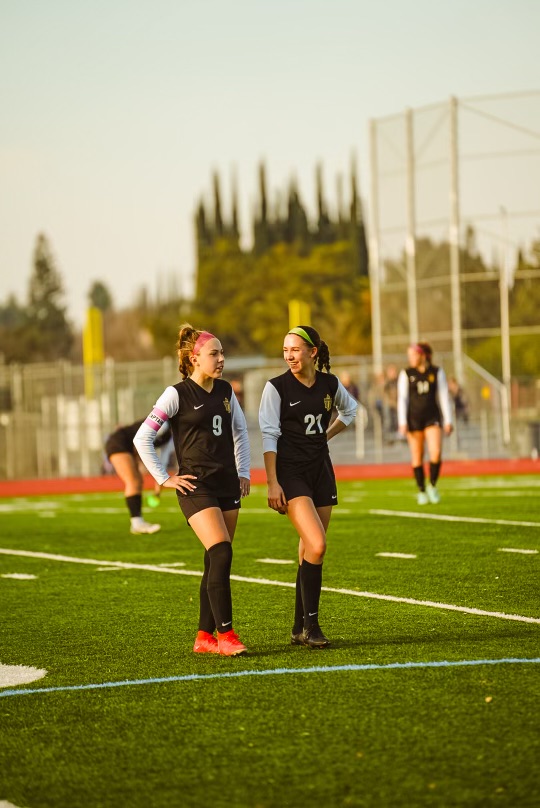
(403, 398)
(345, 404)
(444, 397)
(270, 417)
(165, 407)
(242, 454)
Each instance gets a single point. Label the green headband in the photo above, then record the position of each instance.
(301, 333)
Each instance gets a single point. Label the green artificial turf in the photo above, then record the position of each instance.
(279, 734)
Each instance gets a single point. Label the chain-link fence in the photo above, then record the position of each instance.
(50, 427)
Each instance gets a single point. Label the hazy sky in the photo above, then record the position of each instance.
(114, 113)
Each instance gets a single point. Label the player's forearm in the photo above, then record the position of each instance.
(270, 466)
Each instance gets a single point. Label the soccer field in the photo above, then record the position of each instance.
(429, 694)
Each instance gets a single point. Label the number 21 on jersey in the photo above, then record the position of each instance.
(313, 424)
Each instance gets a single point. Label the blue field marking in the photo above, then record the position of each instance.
(193, 677)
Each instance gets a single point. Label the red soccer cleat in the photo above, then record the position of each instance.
(229, 644)
(205, 643)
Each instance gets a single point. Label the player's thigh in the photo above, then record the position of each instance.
(230, 518)
(125, 466)
(324, 512)
(434, 442)
(303, 515)
(209, 526)
(416, 446)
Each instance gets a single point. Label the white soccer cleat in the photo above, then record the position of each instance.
(433, 495)
(139, 526)
(422, 498)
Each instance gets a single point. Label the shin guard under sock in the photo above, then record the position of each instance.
(206, 617)
(298, 605)
(311, 582)
(134, 504)
(420, 477)
(434, 471)
(219, 585)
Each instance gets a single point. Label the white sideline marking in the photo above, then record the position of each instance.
(274, 561)
(174, 564)
(396, 555)
(444, 518)
(266, 582)
(19, 576)
(513, 550)
(108, 569)
(193, 677)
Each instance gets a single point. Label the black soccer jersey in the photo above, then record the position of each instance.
(294, 418)
(209, 432)
(421, 395)
(203, 439)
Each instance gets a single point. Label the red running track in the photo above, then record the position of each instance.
(383, 471)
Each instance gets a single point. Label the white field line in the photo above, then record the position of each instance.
(54, 509)
(514, 550)
(194, 677)
(395, 555)
(266, 582)
(445, 518)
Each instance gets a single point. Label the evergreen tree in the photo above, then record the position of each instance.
(261, 229)
(100, 297)
(218, 217)
(49, 334)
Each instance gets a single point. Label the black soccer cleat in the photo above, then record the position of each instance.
(297, 639)
(314, 638)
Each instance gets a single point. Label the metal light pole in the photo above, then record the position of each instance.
(504, 283)
(374, 255)
(457, 346)
(410, 243)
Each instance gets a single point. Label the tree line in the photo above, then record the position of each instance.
(242, 294)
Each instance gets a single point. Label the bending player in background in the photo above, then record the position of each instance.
(424, 412)
(126, 463)
(294, 418)
(211, 442)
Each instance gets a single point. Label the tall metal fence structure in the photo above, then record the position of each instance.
(460, 174)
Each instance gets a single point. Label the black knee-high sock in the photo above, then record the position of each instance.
(434, 471)
(206, 618)
(134, 504)
(420, 477)
(219, 585)
(311, 582)
(298, 605)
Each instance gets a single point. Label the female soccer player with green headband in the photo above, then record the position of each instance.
(294, 418)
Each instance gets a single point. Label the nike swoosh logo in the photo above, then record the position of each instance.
(227, 624)
(294, 403)
(334, 496)
(312, 614)
(236, 501)
(199, 407)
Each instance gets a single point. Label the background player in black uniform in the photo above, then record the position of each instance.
(424, 412)
(212, 447)
(123, 458)
(295, 422)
